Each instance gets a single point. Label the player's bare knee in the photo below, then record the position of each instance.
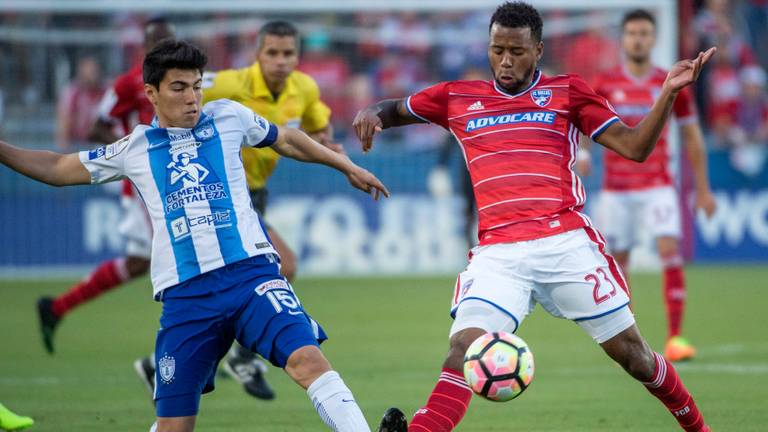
(306, 364)
(668, 247)
(175, 424)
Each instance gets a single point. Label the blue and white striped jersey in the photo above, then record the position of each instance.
(193, 184)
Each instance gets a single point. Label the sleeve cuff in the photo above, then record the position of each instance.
(413, 113)
(600, 129)
(270, 138)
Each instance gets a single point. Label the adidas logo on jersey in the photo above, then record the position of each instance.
(476, 106)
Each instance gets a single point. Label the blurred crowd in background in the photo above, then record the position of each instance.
(62, 72)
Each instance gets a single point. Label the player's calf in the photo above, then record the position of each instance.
(460, 342)
(630, 350)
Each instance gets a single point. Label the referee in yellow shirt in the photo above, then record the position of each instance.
(274, 89)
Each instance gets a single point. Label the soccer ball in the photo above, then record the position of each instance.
(498, 366)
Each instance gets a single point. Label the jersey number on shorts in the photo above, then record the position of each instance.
(596, 290)
(283, 299)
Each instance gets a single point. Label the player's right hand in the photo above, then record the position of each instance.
(365, 181)
(366, 124)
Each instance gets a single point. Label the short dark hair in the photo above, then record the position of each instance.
(638, 14)
(171, 54)
(518, 14)
(277, 28)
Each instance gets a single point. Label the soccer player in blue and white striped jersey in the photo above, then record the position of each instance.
(213, 266)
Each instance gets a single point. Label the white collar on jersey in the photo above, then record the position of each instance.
(536, 78)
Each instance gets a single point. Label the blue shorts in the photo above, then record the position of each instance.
(248, 301)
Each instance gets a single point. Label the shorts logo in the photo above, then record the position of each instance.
(272, 285)
(167, 368)
(541, 97)
(465, 288)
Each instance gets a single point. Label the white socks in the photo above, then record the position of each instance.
(335, 404)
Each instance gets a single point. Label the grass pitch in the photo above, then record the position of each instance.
(388, 338)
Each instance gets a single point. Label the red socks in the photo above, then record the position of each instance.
(446, 405)
(669, 389)
(674, 294)
(107, 276)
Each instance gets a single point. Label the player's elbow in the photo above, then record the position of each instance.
(638, 155)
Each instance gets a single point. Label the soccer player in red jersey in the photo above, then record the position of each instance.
(634, 193)
(519, 134)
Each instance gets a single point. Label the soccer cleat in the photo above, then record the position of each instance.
(146, 372)
(48, 321)
(393, 421)
(11, 421)
(250, 373)
(679, 349)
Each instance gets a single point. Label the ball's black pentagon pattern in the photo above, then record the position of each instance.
(490, 379)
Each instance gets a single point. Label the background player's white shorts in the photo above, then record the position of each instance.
(620, 214)
(569, 274)
(135, 227)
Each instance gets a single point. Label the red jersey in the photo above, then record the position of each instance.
(125, 102)
(520, 149)
(632, 98)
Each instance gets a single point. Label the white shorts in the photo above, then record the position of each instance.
(569, 274)
(620, 214)
(135, 227)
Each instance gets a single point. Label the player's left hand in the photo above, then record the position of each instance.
(705, 201)
(365, 181)
(685, 72)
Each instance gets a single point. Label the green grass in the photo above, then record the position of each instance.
(388, 338)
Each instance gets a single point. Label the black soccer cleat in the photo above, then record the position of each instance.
(146, 372)
(250, 373)
(393, 421)
(48, 321)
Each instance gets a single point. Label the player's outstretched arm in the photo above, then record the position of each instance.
(379, 116)
(637, 142)
(52, 168)
(296, 144)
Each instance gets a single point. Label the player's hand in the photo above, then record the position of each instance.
(705, 201)
(367, 182)
(366, 124)
(685, 72)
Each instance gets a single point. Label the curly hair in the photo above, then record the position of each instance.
(518, 14)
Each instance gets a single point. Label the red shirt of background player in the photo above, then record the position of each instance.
(127, 104)
(520, 149)
(632, 99)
